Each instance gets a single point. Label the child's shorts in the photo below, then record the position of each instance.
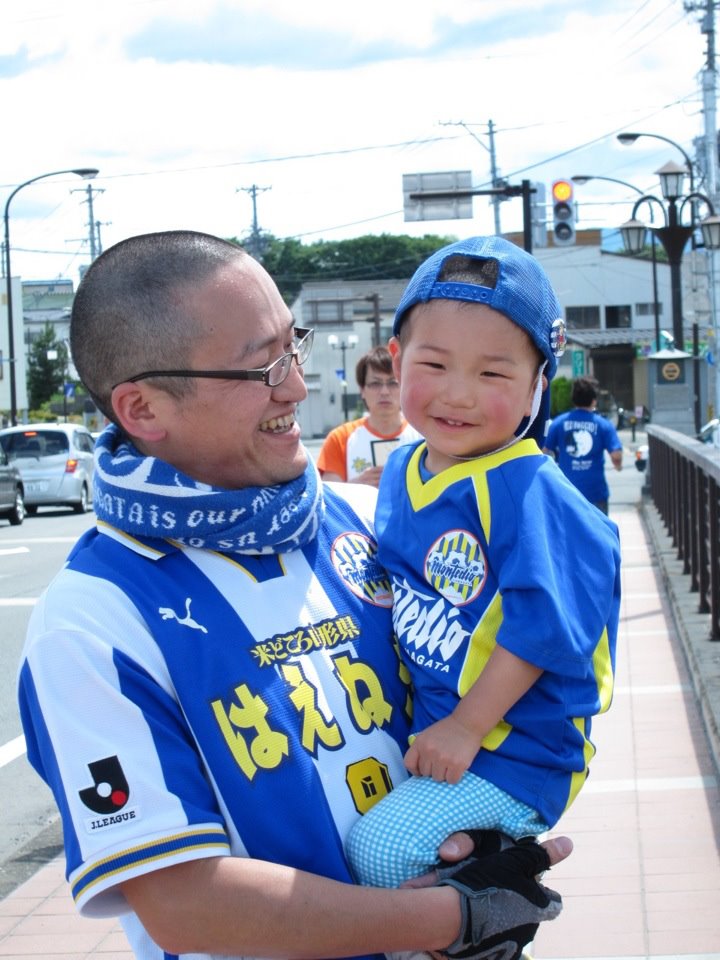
(399, 837)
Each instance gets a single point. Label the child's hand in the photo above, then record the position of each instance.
(443, 751)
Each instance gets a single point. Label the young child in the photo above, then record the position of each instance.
(506, 581)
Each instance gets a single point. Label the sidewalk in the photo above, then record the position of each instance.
(644, 880)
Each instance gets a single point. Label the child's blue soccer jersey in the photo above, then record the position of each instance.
(503, 550)
(269, 746)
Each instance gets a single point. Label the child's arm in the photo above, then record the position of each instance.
(445, 750)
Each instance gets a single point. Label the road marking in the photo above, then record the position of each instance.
(12, 550)
(40, 540)
(12, 750)
(18, 601)
(643, 784)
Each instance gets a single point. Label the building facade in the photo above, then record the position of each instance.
(608, 301)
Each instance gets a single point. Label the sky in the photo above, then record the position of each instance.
(188, 106)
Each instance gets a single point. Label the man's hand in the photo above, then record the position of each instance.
(461, 845)
(443, 751)
(502, 901)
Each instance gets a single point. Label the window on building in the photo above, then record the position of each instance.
(328, 310)
(582, 318)
(618, 317)
(647, 309)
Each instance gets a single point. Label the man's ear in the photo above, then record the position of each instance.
(135, 408)
(395, 352)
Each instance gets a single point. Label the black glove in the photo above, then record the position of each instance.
(501, 900)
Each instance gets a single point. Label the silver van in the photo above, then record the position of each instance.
(55, 461)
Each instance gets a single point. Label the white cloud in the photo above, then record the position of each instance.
(177, 102)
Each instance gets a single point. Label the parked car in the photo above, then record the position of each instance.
(12, 495)
(55, 461)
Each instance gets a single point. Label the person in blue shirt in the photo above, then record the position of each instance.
(505, 580)
(209, 684)
(578, 440)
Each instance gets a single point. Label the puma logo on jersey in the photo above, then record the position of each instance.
(167, 613)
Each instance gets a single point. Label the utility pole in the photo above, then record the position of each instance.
(495, 179)
(256, 243)
(89, 190)
(710, 164)
(98, 224)
(374, 298)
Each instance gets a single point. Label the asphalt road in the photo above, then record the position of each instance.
(30, 555)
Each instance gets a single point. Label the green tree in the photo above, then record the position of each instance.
(45, 376)
(383, 257)
(560, 395)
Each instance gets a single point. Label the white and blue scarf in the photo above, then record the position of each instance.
(147, 497)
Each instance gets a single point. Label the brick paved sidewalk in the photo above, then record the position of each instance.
(39, 920)
(644, 878)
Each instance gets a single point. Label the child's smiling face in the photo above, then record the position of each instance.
(467, 378)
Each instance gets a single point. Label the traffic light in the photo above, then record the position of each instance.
(538, 216)
(563, 213)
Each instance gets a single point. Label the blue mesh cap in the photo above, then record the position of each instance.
(516, 285)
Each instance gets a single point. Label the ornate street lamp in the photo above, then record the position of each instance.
(582, 179)
(627, 139)
(87, 173)
(674, 236)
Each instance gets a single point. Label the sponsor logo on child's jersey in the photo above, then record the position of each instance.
(455, 567)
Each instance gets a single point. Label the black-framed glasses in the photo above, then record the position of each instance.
(272, 376)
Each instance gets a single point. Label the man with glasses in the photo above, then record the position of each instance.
(207, 685)
(356, 451)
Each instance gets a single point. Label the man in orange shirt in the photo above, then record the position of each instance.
(356, 451)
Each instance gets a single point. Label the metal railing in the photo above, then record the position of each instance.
(685, 488)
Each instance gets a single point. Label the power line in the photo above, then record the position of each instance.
(281, 159)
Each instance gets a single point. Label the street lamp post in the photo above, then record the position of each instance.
(626, 139)
(580, 180)
(343, 345)
(87, 173)
(674, 236)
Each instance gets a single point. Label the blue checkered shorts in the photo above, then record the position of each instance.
(399, 837)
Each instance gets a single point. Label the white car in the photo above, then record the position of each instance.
(55, 461)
